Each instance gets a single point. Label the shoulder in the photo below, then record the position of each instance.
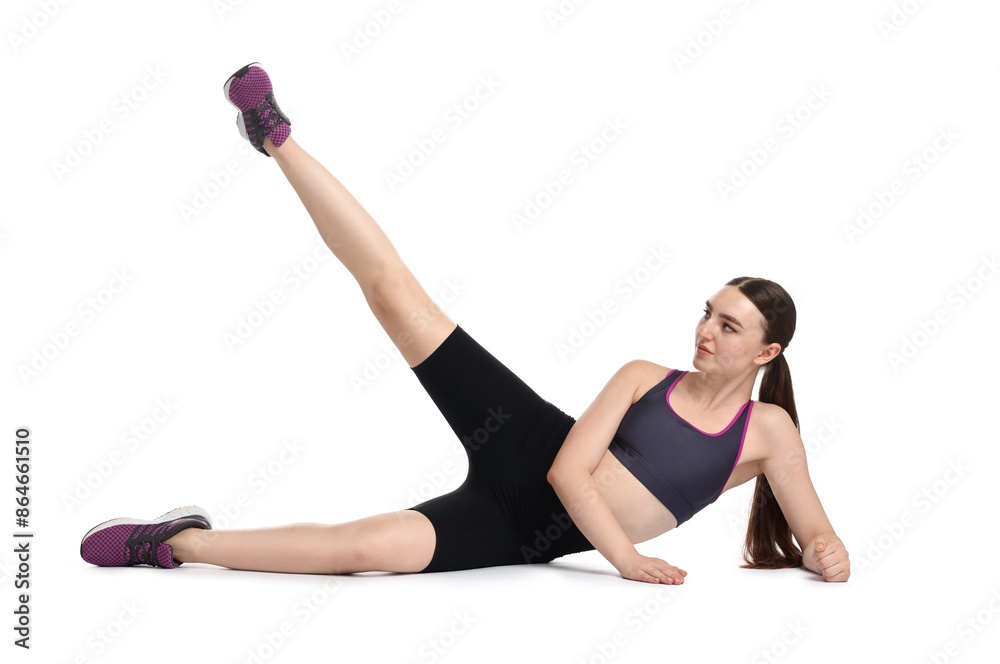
(775, 429)
(772, 441)
(773, 417)
(645, 367)
(645, 375)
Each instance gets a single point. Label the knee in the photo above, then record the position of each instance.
(389, 287)
(349, 561)
(343, 554)
(401, 542)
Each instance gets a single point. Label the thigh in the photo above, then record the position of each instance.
(488, 407)
(471, 530)
(550, 532)
(411, 318)
(401, 541)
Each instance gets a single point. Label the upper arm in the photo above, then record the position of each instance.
(588, 440)
(785, 468)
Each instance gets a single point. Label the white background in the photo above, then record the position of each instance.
(879, 434)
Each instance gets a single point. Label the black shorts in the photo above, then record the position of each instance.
(506, 512)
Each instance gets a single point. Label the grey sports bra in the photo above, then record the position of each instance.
(683, 466)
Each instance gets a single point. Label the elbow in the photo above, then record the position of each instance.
(559, 475)
(550, 477)
(556, 474)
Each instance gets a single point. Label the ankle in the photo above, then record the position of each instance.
(186, 544)
(270, 148)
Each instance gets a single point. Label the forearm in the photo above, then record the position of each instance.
(590, 512)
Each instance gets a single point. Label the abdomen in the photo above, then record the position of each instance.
(641, 515)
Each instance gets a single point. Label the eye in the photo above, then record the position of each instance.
(724, 325)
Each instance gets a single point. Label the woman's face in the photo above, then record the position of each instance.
(732, 331)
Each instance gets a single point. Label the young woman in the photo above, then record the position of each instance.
(656, 446)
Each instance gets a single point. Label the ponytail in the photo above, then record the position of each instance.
(769, 542)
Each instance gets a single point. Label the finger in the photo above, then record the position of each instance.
(839, 576)
(824, 565)
(836, 568)
(830, 572)
(829, 551)
(658, 575)
(830, 545)
(658, 572)
(674, 575)
(648, 578)
(665, 577)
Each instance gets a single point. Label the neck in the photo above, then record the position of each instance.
(720, 391)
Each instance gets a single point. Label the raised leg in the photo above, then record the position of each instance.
(404, 309)
(392, 542)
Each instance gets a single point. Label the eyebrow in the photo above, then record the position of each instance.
(724, 316)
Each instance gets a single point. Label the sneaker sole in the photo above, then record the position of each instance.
(239, 72)
(190, 510)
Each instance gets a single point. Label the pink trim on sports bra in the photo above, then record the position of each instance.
(739, 452)
(671, 389)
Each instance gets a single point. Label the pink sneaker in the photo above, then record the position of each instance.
(126, 542)
(249, 90)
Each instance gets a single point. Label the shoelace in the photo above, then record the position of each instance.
(267, 114)
(140, 548)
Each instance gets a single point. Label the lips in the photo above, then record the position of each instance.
(705, 349)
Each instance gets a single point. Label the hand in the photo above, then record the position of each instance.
(830, 557)
(651, 570)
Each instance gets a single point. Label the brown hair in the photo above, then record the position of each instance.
(769, 543)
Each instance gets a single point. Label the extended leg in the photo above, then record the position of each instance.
(392, 542)
(411, 319)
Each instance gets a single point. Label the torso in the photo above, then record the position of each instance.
(641, 515)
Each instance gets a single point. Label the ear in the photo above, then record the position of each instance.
(768, 353)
